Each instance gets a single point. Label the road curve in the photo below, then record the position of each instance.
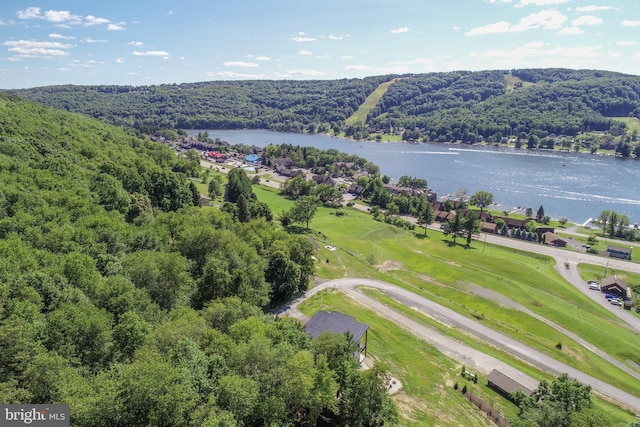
(457, 350)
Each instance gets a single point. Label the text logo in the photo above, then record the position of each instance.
(34, 415)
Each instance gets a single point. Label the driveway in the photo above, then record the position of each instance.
(457, 350)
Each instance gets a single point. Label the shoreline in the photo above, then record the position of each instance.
(540, 193)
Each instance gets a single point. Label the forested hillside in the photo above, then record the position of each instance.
(452, 106)
(467, 106)
(121, 298)
(285, 105)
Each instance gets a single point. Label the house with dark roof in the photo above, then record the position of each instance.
(283, 162)
(357, 190)
(613, 285)
(289, 173)
(506, 385)
(621, 252)
(324, 179)
(552, 239)
(488, 227)
(338, 323)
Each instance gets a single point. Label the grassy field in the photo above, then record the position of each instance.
(427, 397)
(631, 122)
(360, 116)
(474, 281)
(455, 277)
(427, 376)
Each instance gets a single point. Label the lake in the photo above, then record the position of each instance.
(575, 185)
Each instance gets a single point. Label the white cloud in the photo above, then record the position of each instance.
(90, 40)
(306, 73)
(592, 8)
(614, 54)
(538, 49)
(570, 31)
(334, 37)
(60, 36)
(539, 2)
(161, 53)
(231, 74)
(627, 43)
(263, 58)
(135, 43)
(303, 39)
(456, 28)
(628, 23)
(29, 13)
(32, 49)
(116, 27)
(346, 57)
(545, 20)
(92, 20)
(240, 64)
(64, 18)
(305, 52)
(120, 60)
(497, 27)
(587, 20)
(401, 30)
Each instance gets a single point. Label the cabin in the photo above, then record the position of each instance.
(614, 285)
(357, 190)
(552, 239)
(506, 385)
(338, 323)
(324, 179)
(621, 252)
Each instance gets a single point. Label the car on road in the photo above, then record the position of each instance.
(615, 302)
(594, 286)
(610, 297)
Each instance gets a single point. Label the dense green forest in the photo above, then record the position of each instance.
(286, 105)
(122, 298)
(453, 106)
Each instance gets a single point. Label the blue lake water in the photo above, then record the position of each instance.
(575, 185)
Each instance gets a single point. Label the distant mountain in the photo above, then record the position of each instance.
(450, 106)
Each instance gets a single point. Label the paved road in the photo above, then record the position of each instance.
(461, 352)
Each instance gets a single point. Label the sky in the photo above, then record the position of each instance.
(141, 42)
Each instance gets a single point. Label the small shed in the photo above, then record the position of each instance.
(505, 384)
(339, 323)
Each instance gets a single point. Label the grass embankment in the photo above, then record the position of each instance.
(455, 276)
(427, 376)
(360, 116)
(631, 122)
(428, 397)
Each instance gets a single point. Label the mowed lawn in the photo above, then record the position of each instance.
(455, 276)
(427, 397)
(355, 245)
